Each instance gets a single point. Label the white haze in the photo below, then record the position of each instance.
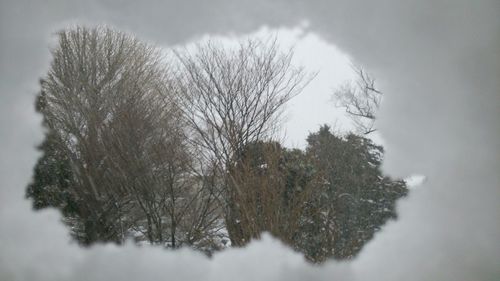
(438, 63)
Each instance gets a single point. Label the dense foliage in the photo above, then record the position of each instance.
(354, 200)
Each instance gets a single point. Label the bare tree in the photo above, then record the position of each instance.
(108, 99)
(361, 101)
(275, 186)
(231, 98)
(90, 71)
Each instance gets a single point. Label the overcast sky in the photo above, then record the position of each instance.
(438, 63)
(314, 106)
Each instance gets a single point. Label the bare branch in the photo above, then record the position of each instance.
(361, 101)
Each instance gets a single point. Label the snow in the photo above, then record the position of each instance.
(438, 63)
(415, 180)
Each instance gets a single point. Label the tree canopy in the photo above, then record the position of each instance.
(184, 151)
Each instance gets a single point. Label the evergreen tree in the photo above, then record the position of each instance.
(354, 200)
(52, 175)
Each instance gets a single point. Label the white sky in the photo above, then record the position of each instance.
(314, 106)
